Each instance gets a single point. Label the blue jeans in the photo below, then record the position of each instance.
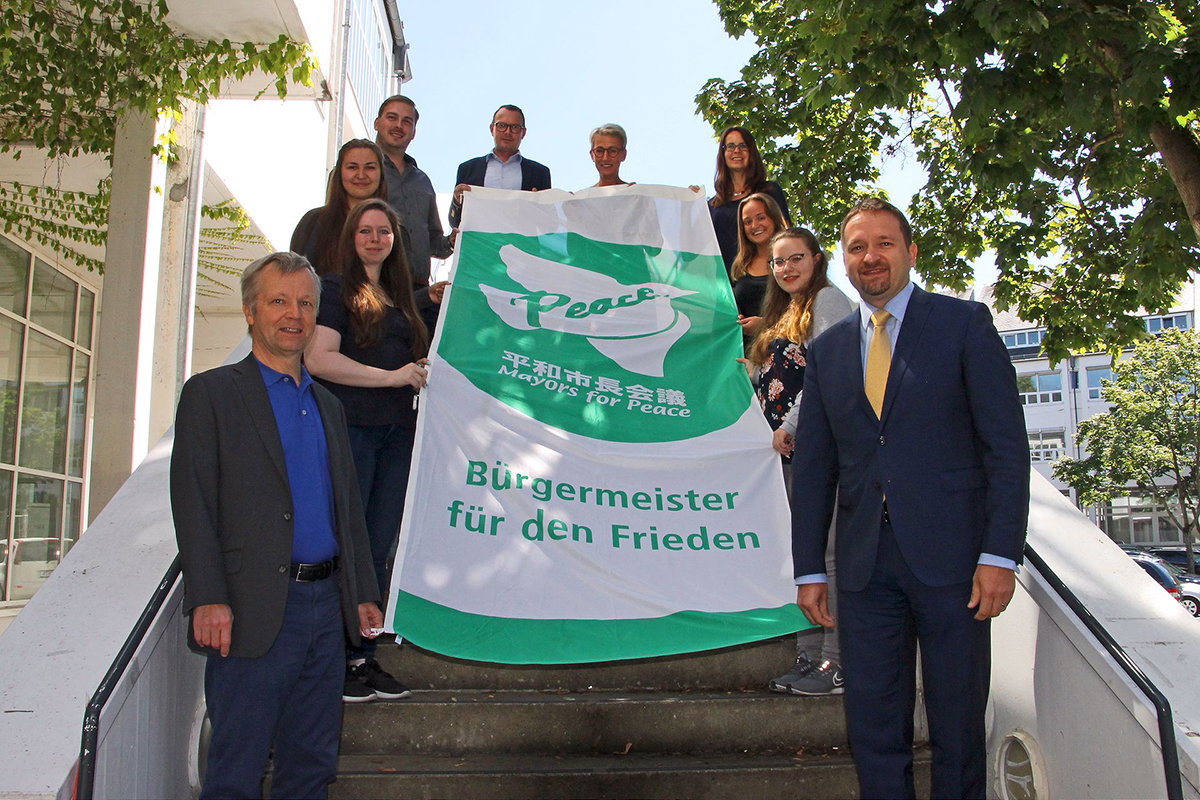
(291, 697)
(382, 457)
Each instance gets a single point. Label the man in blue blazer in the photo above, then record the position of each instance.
(504, 167)
(910, 423)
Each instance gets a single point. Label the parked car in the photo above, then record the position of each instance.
(1156, 568)
(1173, 554)
(1189, 588)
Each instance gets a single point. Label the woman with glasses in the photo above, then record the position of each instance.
(800, 304)
(369, 350)
(760, 219)
(357, 176)
(608, 152)
(740, 173)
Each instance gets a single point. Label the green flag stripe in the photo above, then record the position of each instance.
(504, 640)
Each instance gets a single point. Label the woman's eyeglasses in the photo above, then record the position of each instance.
(794, 261)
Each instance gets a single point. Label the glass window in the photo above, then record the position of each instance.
(44, 373)
(74, 509)
(1167, 532)
(11, 333)
(6, 488)
(52, 302)
(1046, 446)
(83, 326)
(79, 388)
(1118, 529)
(14, 276)
(1095, 375)
(1158, 324)
(37, 534)
(1023, 338)
(44, 408)
(1040, 387)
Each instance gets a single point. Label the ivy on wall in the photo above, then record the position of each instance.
(71, 68)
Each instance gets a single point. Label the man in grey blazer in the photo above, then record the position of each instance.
(276, 566)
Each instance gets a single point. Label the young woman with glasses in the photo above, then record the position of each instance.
(800, 304)
(740, 173)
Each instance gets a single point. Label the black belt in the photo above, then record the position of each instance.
(306, 573)
(885, 519)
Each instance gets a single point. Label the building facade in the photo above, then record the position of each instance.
(1057, 397)
(91, 363)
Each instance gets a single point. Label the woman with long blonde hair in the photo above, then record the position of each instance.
(800, 304)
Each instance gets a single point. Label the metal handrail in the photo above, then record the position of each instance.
(1166, 722)
(85, 773)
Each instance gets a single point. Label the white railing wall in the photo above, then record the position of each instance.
(58, 649)
(1088, 729)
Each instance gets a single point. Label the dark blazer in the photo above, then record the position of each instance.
(233, 508)
(533, 176)
(950, 452)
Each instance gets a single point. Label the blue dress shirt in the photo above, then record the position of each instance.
(897, 307)
(306, 456)
(503, 174)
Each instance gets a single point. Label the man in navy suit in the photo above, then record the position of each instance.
(910, 422)
(504, 167)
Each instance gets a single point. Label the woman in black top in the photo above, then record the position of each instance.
(761, 218)
(357, 176)
(369, 350)
(740, 173)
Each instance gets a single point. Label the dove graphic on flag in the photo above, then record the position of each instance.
(634, 325)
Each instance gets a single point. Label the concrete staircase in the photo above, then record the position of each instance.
(694, 726)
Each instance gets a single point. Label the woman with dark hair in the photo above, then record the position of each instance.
(800, 304)
(760, 219)
(369, 349)
(740, 173)
(357, 176)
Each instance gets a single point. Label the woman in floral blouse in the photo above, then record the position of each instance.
(799, 305)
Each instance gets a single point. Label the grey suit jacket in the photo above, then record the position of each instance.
(232, 506)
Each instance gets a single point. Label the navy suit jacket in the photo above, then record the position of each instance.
(950, 452)
(533, 176)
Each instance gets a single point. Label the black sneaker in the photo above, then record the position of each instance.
(355, 689)
(800, 669)
(381, 682)
(825, 678)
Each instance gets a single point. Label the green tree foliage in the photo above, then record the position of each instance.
(71, 67)
(1148, 443)
(1065, 136)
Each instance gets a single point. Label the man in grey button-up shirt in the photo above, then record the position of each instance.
(410, 191)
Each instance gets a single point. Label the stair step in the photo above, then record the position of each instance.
(815, 774)
(748, 666)
(479, 722)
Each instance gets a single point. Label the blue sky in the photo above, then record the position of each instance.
(573, 66)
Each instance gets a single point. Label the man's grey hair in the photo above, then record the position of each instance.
(287, 263)
(610, 129)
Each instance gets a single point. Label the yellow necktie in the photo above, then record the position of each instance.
(879, 359)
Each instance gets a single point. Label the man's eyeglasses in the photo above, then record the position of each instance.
(733, 147)
(794, 261)
(611, 152)
(504, 127)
